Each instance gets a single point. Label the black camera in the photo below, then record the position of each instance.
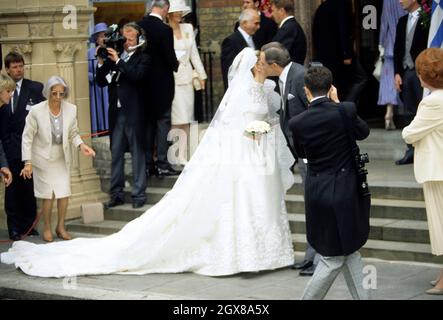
(113, 39)
(360, 160)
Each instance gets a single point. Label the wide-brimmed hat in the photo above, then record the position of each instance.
(99, 27)
(179, 5)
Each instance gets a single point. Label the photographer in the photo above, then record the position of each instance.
(336, 225)
(124, 72)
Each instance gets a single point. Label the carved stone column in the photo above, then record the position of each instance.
(53, 38)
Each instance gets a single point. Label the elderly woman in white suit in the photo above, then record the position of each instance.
(182, 113)
(426, 134)
(51, 128)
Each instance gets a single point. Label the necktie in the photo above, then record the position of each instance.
(14, 100)
(282, 92)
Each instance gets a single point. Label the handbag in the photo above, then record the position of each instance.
(196, 81)
(378, 64)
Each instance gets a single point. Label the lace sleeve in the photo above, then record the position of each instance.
(257, 108)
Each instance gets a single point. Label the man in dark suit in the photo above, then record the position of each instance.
(289, 33)
(20, 203)
(276, 62)
(411, 38)
(268, 27)
(333, 47)
(240, 39)
(160, 86)
(335, 227)
(127, 74)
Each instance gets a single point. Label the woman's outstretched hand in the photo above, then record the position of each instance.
(87, 151)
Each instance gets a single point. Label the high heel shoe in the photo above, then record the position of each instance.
(63, 235)
(389, 124)
(47, 236)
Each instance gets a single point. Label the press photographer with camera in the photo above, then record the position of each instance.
(336, 202)
(124, 70)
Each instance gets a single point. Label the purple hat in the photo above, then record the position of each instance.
(99, 27)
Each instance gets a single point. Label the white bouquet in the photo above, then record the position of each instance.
(257, 128)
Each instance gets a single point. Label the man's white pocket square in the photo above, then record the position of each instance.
(28, 107)
(290, 96)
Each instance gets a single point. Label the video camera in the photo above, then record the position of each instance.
(113, 39)
(360, 160)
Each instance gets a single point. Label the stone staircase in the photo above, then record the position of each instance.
(399, 230)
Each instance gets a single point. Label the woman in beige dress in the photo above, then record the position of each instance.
(425, 133)
(182, 113)
(51, 128)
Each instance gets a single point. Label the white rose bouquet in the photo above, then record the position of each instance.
(257, 128)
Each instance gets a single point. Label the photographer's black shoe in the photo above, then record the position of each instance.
(114, 202)
(407, 159)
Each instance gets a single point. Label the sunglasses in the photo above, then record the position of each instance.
(59, 94)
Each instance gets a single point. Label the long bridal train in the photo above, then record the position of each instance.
(225, 214)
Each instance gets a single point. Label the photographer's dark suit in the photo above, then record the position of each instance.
(126, 123)
(404, 65)
(20, 203)
(159, 87)
(230, 48)
(334, 224)
(292, 36)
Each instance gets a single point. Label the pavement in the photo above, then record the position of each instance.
(388, 280)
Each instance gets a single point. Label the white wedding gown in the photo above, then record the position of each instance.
(225, 214)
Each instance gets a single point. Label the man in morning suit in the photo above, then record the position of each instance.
(20, 203)
(268, 27)
(276, 62)
(240, 39)
(335, 227)
(159, 87)
(289, 33)
(411, 38)
(127, 74)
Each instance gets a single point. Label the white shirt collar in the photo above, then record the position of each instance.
(284, 20)
(316, 98)
(415, 13)
(245, 35)
(156, 15)
(284, 74)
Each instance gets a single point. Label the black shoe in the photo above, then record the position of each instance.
(113, 203)
(152, 171)
(302, 265)
(33, 233)
(407, 159)
(168, 172)
(15, 236)
(308, 271)
(138, 204)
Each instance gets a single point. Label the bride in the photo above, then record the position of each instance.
(225, 214)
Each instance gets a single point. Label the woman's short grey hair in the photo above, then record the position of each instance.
(53, 81)
(275, 52)
(6, 83)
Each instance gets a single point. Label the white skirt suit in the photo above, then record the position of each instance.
(426, 134)
(183, 103)
(50, 162)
